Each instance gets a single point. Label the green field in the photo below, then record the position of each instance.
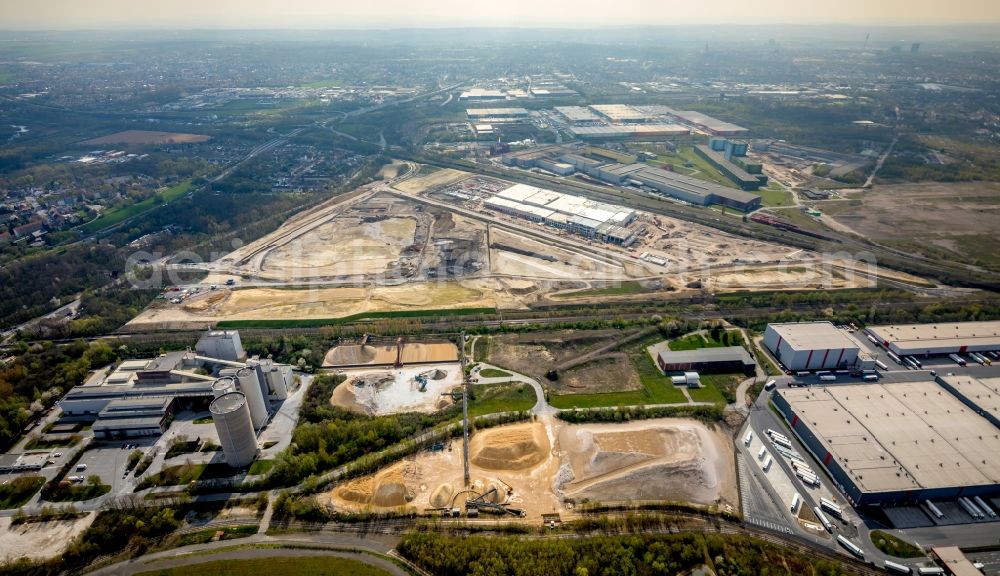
(621, 289)
(228, 533)
(718, 388)
(276, 566)
(15, 493)
(696, 341)
(186, 473)
(314, 322)
(492, 398)
(893, 546)
(656, 389)
(774, 195)
(260, 467)
(111, 218)
(493, 373)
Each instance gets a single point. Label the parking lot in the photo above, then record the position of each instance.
(107, 461)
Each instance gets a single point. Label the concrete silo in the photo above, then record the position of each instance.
(276, 380)
(223, 385)
(231, 415)
(250, 387)
(257, 365)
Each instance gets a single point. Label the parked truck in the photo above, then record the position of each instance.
(957, 359)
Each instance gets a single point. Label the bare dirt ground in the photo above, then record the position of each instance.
(789, 278)
(549, 466)
(674, 459)
(535, 354)
(38, 540)
(287, 304)
(385, 354)
(341, 247)
(432, 180)
(933, 218)
(148, 137)
(381, 392)
(552, 262)
(610, 373)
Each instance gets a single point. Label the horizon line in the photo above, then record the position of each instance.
(364, 28)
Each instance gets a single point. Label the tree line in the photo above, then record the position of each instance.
(637, 555)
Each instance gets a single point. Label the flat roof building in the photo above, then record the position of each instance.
(133, 418)
(810, 346)
(980, 394)
(478, 114)
(620, 113)
(608, 222)
(693, 190)
(731, 170)
(954, 561)
(941, 338)
(725, 359)
(575, 114)
(887, 444)
(482, 94)
(617, 132)
(709, 124)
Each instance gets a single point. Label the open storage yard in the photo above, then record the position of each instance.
(385, 354)
(549, 466)
(413, 388)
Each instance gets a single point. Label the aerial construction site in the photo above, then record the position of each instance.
(441, 240)
(549, 466)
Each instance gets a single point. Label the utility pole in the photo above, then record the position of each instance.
(465, 408)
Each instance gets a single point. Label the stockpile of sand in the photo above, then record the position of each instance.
(510, 447)
(441, 496)
(350, 355)
(389, 488)
(652, 461)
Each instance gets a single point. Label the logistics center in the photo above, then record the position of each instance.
(811, 346)
(899, 443)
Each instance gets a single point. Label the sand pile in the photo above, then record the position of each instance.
(206, 302)
(511, 447)
(350, 355)
(644, 461)
(389, 488)
(436, 374)
(441, 497)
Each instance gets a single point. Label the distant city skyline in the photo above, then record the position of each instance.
(322, 14)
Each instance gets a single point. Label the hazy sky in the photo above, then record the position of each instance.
(70, 14)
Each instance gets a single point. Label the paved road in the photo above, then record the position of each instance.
(540, 407)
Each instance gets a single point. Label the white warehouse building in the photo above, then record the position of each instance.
(942, 338)
(811, 346)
